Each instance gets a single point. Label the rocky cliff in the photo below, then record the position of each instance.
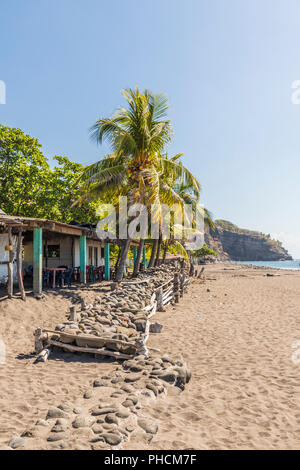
(232, 242)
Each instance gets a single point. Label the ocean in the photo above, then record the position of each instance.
(295, 264)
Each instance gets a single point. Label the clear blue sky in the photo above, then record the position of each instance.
(226, 65)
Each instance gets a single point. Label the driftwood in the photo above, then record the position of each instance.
(73, 315)
(101, 352)
(69, 335)
(159, 299)
(43, 356)
(176, 287)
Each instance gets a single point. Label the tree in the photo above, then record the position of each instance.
(24, 173)
(136, 135)
(203, 252)
(30, 188)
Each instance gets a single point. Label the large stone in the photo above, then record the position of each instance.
(111, 419)
(100, 383)
(169, 376)
(17, 442)
(132, 378)
(83, 422)
(112, 439)
(123, 414)
(148, 425)
(54, 412)
(156, 327)
(56, 437)
(140, 325)
(103, 411)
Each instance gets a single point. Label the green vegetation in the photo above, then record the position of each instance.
(226, 225)
(137, 167)
(30, 188)
(203, 252)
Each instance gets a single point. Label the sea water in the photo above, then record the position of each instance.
(295, 264)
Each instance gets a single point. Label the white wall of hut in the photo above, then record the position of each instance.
(68, 253)
(4, 258)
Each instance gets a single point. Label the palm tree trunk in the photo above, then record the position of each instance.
(121, 267)
(118, 261)
(165, 252)
(157, 252)
(153, 253)
(138, 258)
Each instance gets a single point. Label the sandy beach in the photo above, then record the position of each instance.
(235, 331)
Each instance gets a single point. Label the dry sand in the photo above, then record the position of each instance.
(235, 332)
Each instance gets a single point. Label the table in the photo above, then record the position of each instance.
(53, 270)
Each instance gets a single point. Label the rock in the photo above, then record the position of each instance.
(130, 428)
(112, 439)
(152, 388)
(100, 383)
(97, 428)
(127, 388)
(136, 368)
(100, 446)
(83, 422)
(5, 448)
(156, 327)
(56, 437)
(117, 380)
(140, 325)
(77, 411)
(41, 422)
(123, 414)
(88, 394)
(103, 411)
(169, 376)
(128, 403)
(31, 432)
(17, 442)
(61, 422)
(132, 378)
(111, 419)
(133, 398)
(59, 428)
(67, 407)
(148, 425)
(54, 412)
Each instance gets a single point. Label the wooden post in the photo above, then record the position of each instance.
(19, 265)
(73, 314)
(83, 259)
(38, 340)
(10, 267)
(176, 287)
(182, 279)
(106, 262)
(37, 260)
(159, 299)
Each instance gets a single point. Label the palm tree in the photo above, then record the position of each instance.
(136, 134)
(137, 167)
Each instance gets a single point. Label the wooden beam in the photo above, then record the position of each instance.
(37, 260)
(101, 352)
(83, 259)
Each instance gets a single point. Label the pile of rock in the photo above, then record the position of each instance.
(111, 411)
(119, 315)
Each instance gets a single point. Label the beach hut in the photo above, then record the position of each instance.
(38, 245)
